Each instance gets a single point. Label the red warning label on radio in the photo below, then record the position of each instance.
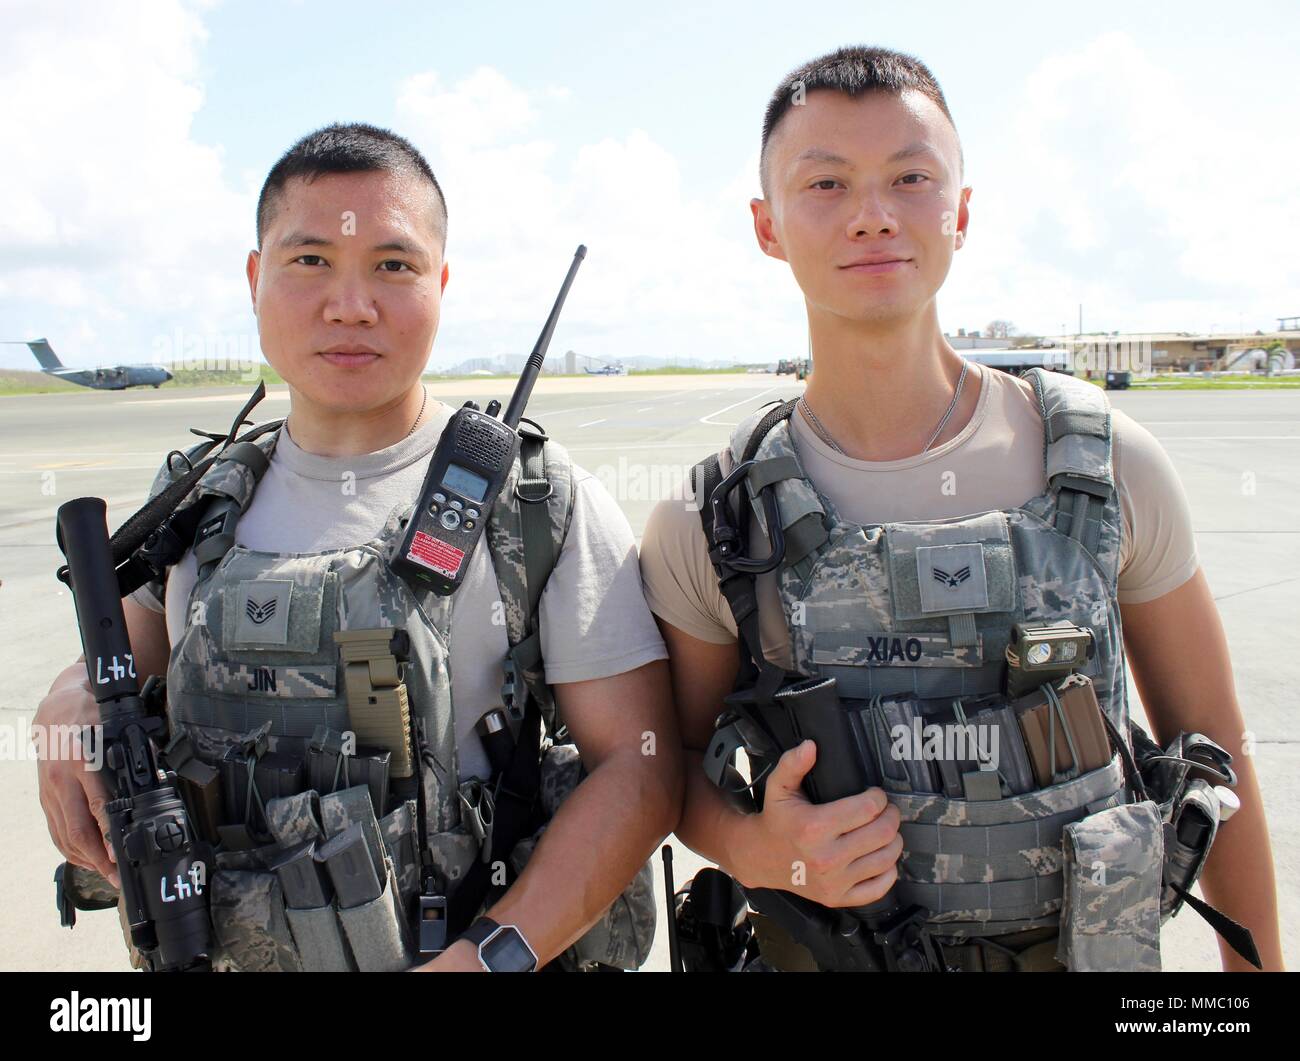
(435, 555)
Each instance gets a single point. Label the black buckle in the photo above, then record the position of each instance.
(538, 432)
(529, 499)
(1205, 754)
(724, 744)
(908, 945)
(513, 692)
(163, 548)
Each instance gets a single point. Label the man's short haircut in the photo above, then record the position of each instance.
(351, 148)
(853, 72)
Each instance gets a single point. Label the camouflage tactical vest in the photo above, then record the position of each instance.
(258, 648)
(923, 611)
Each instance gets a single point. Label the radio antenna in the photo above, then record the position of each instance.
(524, 388)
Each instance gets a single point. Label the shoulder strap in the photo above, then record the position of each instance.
(1076, 451)
(740, 588)
(525, 534)
(171, 486)
(156, 536)
(748, 435)
(224, 495)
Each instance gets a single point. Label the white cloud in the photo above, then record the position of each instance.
(115, 219)
(669, 272)
(482, 109)
(1148, 193)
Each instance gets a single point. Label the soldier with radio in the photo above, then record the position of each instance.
(392, 707)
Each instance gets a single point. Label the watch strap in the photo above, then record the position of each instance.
(480, 930)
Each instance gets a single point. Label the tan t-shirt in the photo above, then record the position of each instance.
(994, 462)
(593, 619)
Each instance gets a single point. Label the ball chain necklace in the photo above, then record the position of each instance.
(820, 430)
(423, 402)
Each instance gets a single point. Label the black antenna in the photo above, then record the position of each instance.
(524, 388)
(670, 894)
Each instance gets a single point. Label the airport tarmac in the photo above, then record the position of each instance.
(1237, 454)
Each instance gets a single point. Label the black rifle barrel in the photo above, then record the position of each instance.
(163, 869)
(524, 388)
(83, 537)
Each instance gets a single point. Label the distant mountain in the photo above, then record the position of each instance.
(513, 364)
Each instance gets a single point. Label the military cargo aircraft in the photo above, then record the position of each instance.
(116, 378)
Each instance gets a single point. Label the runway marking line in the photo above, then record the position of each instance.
(743, 401)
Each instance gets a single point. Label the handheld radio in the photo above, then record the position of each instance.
(466, 473)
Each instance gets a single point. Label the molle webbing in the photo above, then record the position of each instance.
(923, 610)
(240, 716)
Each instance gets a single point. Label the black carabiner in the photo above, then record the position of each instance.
(729, 540)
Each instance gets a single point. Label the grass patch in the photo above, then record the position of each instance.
(1244, 381)
(18, 381)
(198, 377)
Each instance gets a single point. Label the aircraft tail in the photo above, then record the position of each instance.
(44, 353)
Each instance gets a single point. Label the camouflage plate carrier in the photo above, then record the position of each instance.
(258, 659)
(866, 605)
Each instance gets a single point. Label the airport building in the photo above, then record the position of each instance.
(1196, 352)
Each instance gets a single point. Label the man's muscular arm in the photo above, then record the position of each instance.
(1178, 654)
(603, 833)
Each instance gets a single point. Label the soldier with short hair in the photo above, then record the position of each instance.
(277, 635)
(893, 533)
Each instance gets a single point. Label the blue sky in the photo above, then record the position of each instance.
(1140, 160)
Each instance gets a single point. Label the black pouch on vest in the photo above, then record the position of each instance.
(199, 783)
(310, 909)
(329, 770)
(275, 774)
(1012, 757)
(902, 722)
